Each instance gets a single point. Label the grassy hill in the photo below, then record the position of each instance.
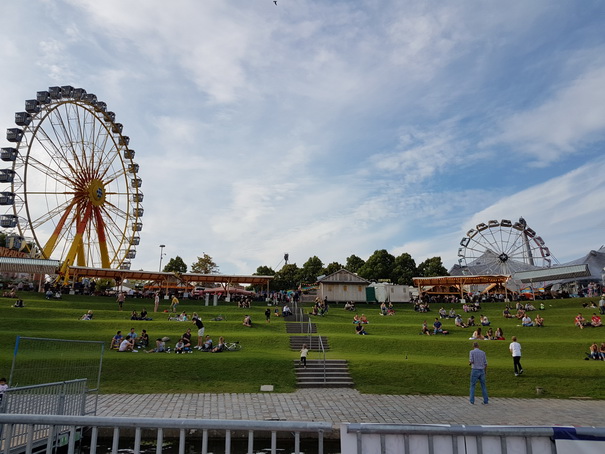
(393, 359)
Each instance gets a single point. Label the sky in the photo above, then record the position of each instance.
(332, 128)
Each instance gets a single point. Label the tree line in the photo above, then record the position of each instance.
(381, 266)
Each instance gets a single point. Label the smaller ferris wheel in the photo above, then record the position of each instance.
(71, 186)
(503, 247)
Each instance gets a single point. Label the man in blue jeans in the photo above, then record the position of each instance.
(478, 361)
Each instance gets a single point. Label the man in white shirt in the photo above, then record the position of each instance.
(515, 349)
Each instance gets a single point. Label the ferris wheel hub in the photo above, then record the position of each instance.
(96, 192)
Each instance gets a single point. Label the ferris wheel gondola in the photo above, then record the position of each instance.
(72, 189)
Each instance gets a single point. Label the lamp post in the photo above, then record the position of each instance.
(162, 246)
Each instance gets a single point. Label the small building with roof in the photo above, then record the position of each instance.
(342, 286)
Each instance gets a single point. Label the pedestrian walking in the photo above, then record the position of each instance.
(478, 362)
(515, 349)
(602, 305)
(120, 299)
(304, 351)
(268, 315)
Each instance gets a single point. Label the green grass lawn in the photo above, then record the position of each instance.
(393, 359)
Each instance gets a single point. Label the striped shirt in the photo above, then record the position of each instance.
(478, 359)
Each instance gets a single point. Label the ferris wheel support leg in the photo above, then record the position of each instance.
(102, 238)
(52, 241)
(76, 245)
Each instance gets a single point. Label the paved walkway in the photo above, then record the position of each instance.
(348, 405)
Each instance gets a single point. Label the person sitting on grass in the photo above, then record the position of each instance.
(484, 320)
(442, 313)
(602, 351)
(580, 321)
(134, 316)
(459, 322)
(499, 334)
(349, 306)
(143, 341)
(207, 344)
(490, 334)
(526, 321)
(520, 314)
(127, 345)
(359, 329)
(363, 319)
(221, 347)
(539, 321)
(437, 326)
(116, 341)
(383, 308)
(160, 346)
(390, 309)
(594, 351)
(19, 303)
(477, 334)
(179, 346)
(506, 313)
(471, 321)
(595, 320)
(425, 329)
(187, 339)
(452, 313)
(87, 316)
(247, 321)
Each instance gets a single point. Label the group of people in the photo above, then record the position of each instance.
(387, 309)
(142, 316)
(478, 362)
(597, 352)
(581, 322)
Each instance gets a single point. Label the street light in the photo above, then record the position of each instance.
(162, 246)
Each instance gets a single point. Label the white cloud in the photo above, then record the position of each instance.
(561, 125)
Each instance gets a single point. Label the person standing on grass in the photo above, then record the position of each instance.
(200, 331)
(156, 302)
(120, 299)
(268, 315)
(304, 351)
(515, 349)
(478, 362)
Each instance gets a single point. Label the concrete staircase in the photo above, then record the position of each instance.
(296, 343)
(296, 328)
(334, 375)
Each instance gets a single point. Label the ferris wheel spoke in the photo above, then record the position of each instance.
(51, 214)
(49, 172)
(62, 132)
(58, 157)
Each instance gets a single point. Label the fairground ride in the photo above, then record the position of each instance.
(71, 186)
(503, 247)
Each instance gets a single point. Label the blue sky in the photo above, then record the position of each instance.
(333, 128)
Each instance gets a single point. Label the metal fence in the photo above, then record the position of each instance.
(454, 439)
(63, 398)
(39, 361)
(186, 428)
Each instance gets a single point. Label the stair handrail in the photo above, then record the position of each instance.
(323, 351)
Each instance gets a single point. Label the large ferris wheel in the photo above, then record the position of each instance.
(503, 247)
(71, 186)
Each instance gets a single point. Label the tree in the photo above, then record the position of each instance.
(175, 265)
(354, 263)
(311, 269)
(205, 265)
(432, 267)
(287, 278)
(332, 268)
(405, 269)
(378, 266)
(264, 271)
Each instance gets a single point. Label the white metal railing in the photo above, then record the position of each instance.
(368, 438)
(186, 428)
(61, 398)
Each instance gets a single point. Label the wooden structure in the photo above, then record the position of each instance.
(455, 284)
(343, 285)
